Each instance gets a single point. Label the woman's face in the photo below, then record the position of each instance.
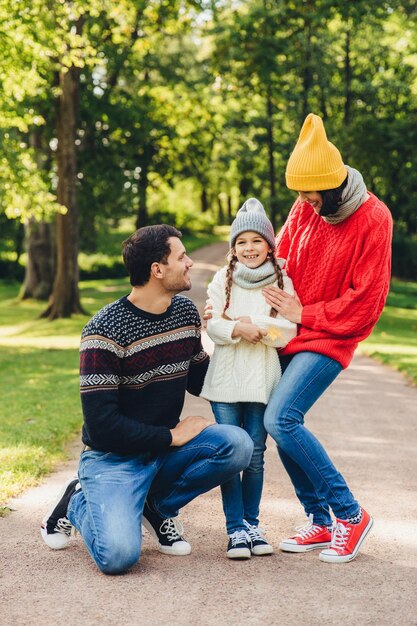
(312, 197)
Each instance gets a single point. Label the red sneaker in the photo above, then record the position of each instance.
(346, 540)
(309, 537)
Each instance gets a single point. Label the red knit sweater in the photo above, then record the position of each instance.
(341, 274)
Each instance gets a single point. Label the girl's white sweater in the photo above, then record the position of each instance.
(240, 371)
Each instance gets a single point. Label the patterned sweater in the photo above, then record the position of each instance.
(135, 368)
(341, 273)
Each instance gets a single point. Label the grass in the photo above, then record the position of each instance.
(40, 408)
(394, 339)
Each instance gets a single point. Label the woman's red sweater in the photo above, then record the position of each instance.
(341, 273)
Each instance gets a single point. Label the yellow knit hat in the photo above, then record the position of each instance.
(315, 164)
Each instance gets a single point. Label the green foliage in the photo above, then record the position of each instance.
(187, 108)
(404, 255)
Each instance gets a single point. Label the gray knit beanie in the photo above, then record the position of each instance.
(252, 216)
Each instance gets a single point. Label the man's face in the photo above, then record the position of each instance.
(176, 272)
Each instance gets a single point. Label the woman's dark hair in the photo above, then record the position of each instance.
(146, 246)
(332, 199)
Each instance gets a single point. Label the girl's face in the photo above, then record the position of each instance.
(251, 249)
(312, 197)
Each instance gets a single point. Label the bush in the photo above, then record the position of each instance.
(11, 271)
(404, 256)
(97, 266)
(187, 221)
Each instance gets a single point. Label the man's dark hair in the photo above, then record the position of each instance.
(332, 199)
(147, 245)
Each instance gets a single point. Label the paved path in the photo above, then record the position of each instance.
(368, 423)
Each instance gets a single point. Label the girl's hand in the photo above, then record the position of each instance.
(244, 318)
(249, 332)
(288, 306)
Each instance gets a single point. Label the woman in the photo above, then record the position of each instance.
(337, 242)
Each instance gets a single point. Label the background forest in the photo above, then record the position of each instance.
(141, 111)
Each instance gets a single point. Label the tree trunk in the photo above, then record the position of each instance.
(142, 218)
(65, 297)
(39, 274)
(229, 210)
(204, 200)
(220, 211)
(271, 158)
(348, 80)
(307, 80)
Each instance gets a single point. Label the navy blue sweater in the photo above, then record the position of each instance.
(135, 368)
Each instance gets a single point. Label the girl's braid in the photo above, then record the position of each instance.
(232, 260)
(280, 281)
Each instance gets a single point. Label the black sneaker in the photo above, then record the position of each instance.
(259, 544)
(239, 546)
(166, 532)
(56, 527)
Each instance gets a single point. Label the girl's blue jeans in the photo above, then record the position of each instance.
(242, 495)
(317, 483)
(107, 511)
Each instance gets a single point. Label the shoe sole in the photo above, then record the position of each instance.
(59, 540)
(293, 547)
(262, 550)
(328, 558)
(172, 550)
(239, 553)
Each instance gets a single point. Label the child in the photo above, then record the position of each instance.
(245, 365)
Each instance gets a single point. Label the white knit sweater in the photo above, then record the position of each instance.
(240, 371)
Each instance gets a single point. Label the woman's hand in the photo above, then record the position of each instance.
(288, 306)
(249, 332)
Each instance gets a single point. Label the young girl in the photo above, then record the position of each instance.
(245, 365)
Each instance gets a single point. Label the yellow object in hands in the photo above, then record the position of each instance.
(274, 333)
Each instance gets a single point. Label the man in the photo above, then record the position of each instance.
(139, 355)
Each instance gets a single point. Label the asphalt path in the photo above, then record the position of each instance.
(367, 421)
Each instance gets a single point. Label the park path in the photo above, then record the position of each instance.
(367, 422)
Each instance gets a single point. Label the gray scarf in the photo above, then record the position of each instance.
(353, 196)
(252, 278)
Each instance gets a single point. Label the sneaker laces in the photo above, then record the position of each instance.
(255, 533)
(239, 536)
(63, 526)
(308, 529)
(172, 528)
(340, 535)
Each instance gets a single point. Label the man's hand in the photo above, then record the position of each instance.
(249, 332)
(288, 306)
(188, 428)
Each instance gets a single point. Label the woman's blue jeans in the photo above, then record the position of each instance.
(317, 483)
(107, 511)
(241, 496)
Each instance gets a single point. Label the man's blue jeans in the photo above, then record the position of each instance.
(241, 497)
(107, 512)
(316, 481)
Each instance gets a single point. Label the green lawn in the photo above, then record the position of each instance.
(394, 339)
(40, 408)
